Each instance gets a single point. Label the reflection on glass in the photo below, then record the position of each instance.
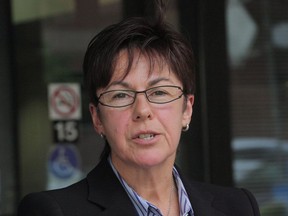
(259, 95)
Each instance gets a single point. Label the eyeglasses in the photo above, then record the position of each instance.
(158, 95)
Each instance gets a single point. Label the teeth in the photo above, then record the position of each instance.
(146, 136)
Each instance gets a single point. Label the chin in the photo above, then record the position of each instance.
(151, 160)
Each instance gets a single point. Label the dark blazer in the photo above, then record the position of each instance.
(101, 194)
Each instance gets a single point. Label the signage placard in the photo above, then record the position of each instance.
(64, 101)
(66, 131)
(64, 161)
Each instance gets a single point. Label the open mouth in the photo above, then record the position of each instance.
(146, 136)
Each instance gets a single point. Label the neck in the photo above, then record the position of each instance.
(149, 183)
(154, 184)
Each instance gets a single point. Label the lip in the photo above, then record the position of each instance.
(145, 137)
(139, 133)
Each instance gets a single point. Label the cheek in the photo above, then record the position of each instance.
(115, 123)
(172, 116)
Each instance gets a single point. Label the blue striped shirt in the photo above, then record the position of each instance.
(144, 208)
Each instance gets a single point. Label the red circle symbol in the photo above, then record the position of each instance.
(65, 101)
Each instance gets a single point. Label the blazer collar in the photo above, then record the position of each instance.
(202, 201)
(106, 191)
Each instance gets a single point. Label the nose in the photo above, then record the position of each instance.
(141, 108)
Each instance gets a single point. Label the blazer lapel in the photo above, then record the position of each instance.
(201, 201)
(106, 191)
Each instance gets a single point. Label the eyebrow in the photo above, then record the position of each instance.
(128, 85)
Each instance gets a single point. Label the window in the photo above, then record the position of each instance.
(258, 53)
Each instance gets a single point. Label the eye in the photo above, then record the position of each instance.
(158, 92)
(118, 95)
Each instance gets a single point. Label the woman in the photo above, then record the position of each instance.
(140, 78)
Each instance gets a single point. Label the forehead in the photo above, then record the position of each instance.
(146, 64)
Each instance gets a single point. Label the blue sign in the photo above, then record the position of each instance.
(64, 161)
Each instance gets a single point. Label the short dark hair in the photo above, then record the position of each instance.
(154, 40)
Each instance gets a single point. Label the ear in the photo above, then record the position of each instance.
(187, 114)
(95, 115)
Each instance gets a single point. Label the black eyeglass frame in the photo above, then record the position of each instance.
(140, 92)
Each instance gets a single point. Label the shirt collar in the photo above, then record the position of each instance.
(143, 207)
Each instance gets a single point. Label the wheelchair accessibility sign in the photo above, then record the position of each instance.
(64, 161)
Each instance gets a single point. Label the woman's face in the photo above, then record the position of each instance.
(142, 134)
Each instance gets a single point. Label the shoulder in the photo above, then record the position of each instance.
(86, 197)
(36, 204)
(238, 201)
(55, 202)
(223, 191)
(209, 198)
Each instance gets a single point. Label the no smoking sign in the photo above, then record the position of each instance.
(64, 101)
